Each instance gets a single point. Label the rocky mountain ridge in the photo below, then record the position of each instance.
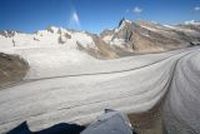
(141, 36)
(128, 38)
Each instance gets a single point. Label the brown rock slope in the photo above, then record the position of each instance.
(145, 37)
(12, 69)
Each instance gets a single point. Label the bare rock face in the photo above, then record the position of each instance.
(106, 32)
(8, 33)
(63, 38)
(104, 50)
(12, 69)
(141, 36)
(125, 30)
(52, 29)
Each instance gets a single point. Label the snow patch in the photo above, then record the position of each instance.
(192, 22)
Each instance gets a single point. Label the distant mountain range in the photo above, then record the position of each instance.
(127, 38)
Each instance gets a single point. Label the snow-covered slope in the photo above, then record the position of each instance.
(181, 107)
(47, 50)
(192, 22)
(52, 36)
(132, 85)
(62, 49)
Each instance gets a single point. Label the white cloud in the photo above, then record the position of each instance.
(74, 21)
(197, 8)
(75, 18)
(137, 10)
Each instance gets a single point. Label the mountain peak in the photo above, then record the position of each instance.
(124, 21)
(8, 33)
(192, 22)
(52, 29)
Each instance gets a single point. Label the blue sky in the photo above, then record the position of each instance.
(92, 15)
